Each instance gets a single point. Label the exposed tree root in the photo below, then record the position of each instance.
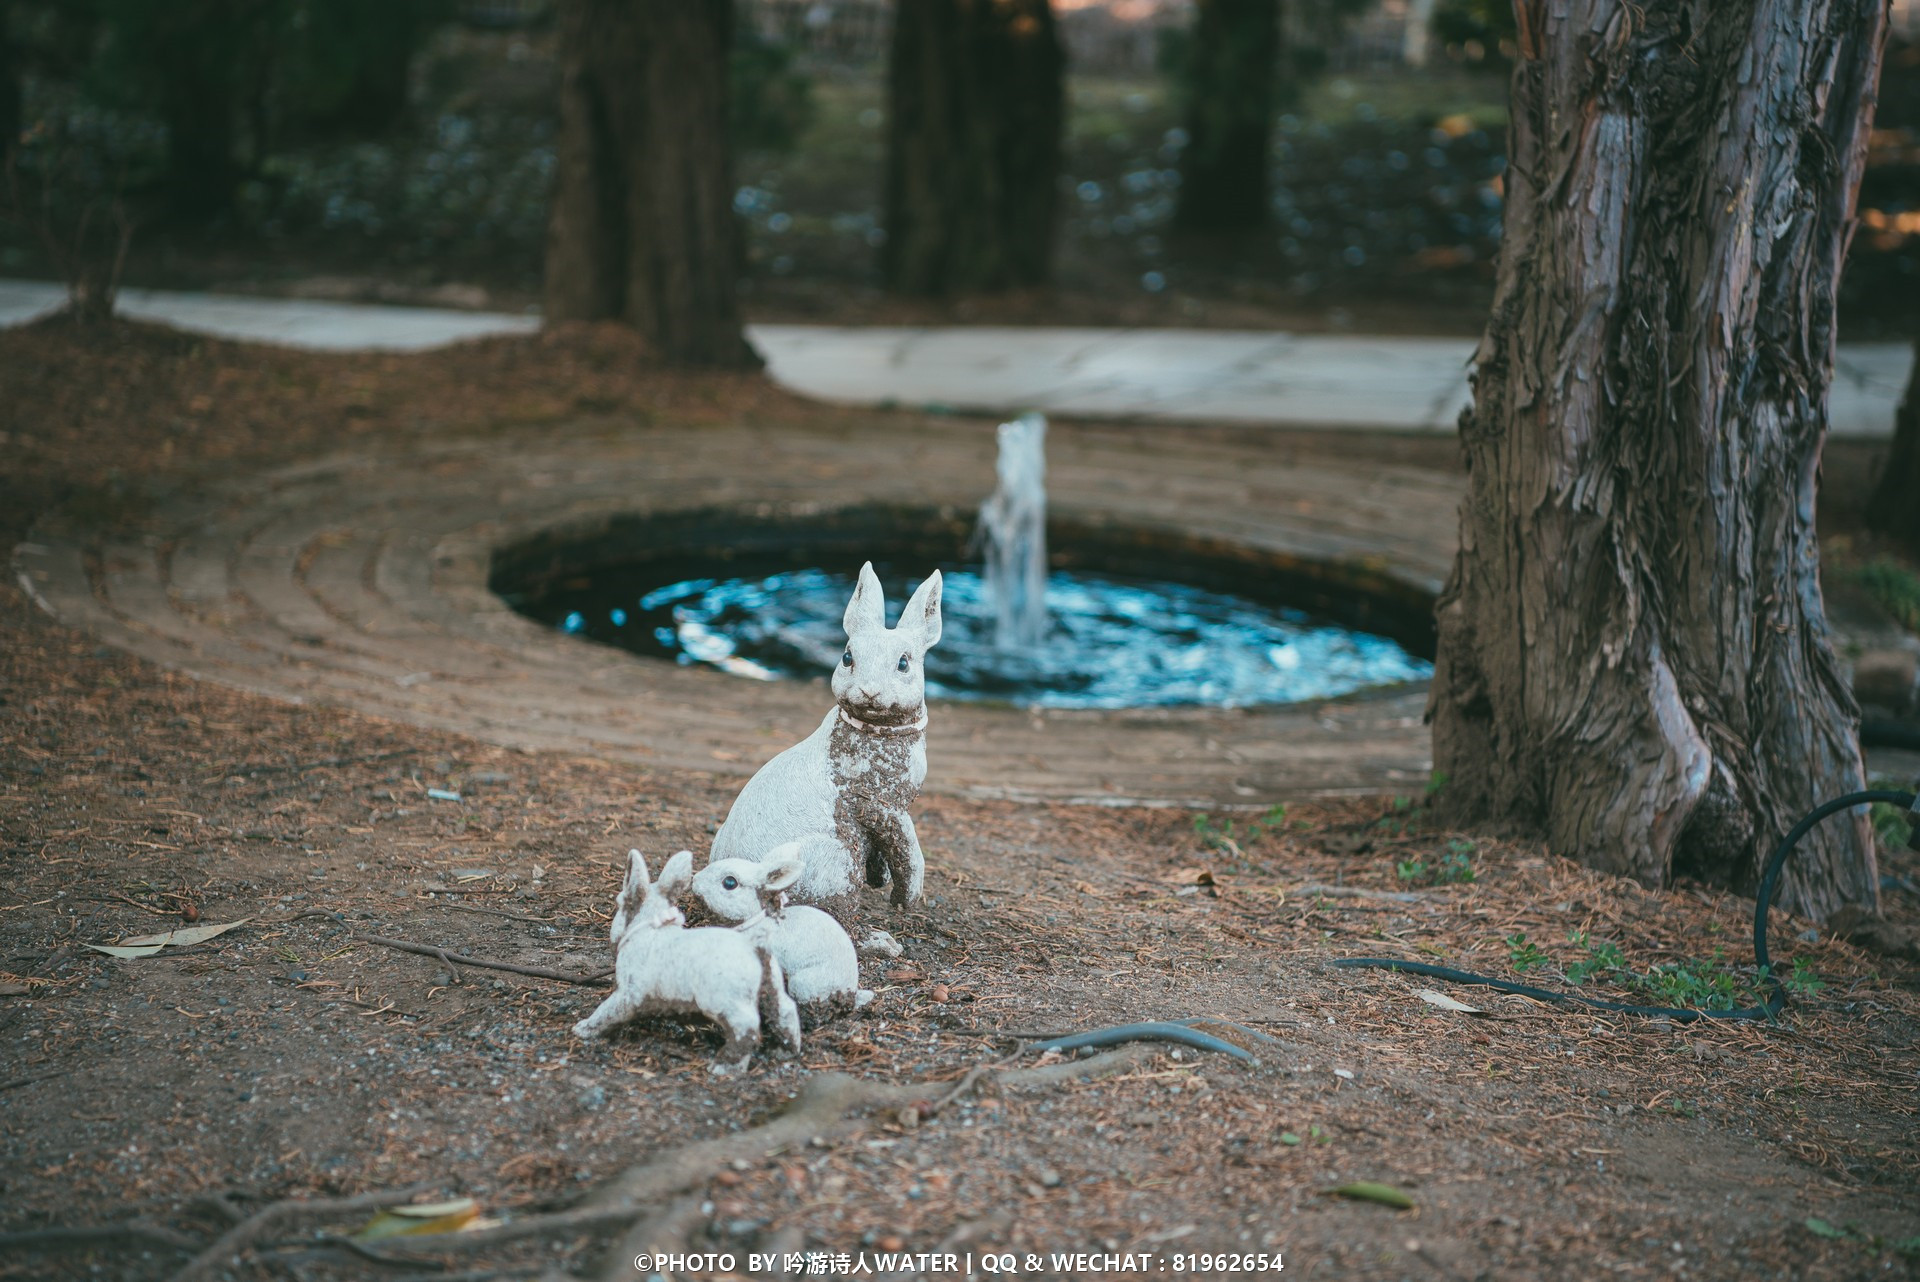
(280, 1215)
(597, 979)
(830, 1108)
(664, 1231)
(87, 1236)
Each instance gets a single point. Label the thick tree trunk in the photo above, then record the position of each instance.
(10, 104)
(975, 90)
(1633, 652)
(203, 171)
(1230, 87)
(1895, 509)
(642, 227)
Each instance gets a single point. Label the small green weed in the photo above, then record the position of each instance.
(1602, 961)
(1802, 982)
(1523, 954)
(1455, 867)
(1399, 819)
(1220, 834)
(1215, 834)
(1707, 985)
(1906, 1247)
(1710, 984)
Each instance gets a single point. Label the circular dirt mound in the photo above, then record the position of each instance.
(365, 581)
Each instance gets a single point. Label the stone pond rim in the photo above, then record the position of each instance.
(365, 581)
(655, 549)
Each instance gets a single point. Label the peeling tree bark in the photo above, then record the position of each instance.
(1633, 652)
(1895, 509)
(976, 107)
(642, 227)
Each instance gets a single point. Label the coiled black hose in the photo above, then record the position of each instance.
(1776, 998)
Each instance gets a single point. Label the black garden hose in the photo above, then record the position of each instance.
(1156, 1031)
(1776, 998)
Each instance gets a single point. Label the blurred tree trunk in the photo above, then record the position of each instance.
(1895, 509)
(976, 110)
(1634, 659)
(642, 227)
(199, 99)
(1230, 86)
(10, 104)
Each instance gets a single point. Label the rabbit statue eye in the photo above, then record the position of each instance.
(846, 660)
(731, 883)
(904, 663)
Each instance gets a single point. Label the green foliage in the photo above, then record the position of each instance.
(226, 83)
(1907, 1247)
(771, 101)
(345, 64)
(1453, 867)
(1219, 834)
(1214, 834)
(1602, 960)
(1802, 982)
(1523, 954)
(1400, 817)
(1891, 825)
(65, 189)
(1895, 587)
(1710, 984)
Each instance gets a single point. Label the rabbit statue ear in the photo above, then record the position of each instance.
(636, 871)
(675, 876)
(923, 612)
(783, 866)
(867, 609)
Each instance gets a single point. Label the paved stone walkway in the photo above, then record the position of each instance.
(362, 581)
(1396, 384)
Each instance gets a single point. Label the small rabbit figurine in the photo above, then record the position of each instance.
(823, 973)
(663, 968)
(842, 792)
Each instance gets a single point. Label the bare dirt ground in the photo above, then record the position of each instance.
(158, 1100)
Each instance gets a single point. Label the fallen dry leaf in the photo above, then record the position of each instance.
(148, 945)
(425, 1217)
(1445, 1002)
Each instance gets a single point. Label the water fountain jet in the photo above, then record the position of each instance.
(1013, 534)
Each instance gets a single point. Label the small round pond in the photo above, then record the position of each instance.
(1139, 618)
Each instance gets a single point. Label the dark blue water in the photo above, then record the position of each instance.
(1114, 642)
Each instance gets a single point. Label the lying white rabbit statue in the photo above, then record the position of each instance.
(663, 968)
(823, 974)
(842, 792)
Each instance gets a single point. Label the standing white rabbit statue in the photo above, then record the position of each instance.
(842, 792)
(814, 952)
(663, 968)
